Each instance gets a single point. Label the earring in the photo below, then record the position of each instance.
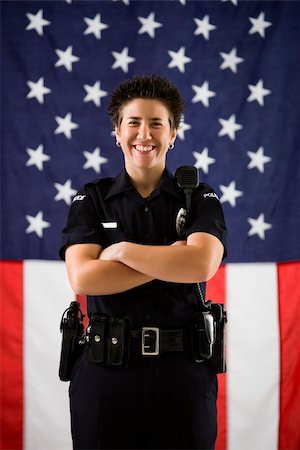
(118, 144)
(171, 146)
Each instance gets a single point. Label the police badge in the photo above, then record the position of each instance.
(181, 221)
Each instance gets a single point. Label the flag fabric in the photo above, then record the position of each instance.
(237, 64)
(259, 399)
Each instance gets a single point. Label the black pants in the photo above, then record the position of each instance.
(164, 402)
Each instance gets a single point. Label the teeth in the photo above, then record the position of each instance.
(142, 148)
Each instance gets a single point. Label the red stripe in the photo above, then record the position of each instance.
(83, 306)
(289, 314)
(216, 291)
(11, 357)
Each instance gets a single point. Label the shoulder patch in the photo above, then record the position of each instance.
(210, 195)
(78, 198)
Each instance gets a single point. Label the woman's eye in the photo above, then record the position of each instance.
(157, 124)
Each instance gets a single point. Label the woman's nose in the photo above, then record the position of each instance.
(144, 132)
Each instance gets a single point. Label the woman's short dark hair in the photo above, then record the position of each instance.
(151, 87)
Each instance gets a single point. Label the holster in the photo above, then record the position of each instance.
(71, 327)
(109, 339)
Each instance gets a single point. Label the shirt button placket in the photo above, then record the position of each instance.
(148, 222)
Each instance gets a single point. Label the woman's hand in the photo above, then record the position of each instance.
(113, 252)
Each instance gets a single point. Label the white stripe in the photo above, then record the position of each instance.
(46, 413)
(253, 357)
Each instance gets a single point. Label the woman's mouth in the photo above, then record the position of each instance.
(143, 148)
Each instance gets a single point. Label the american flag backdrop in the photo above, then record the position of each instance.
(237, 64)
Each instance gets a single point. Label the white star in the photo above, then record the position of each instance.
(66, 58)
(230, 193)
(183, 127)
(37, 157)
(230, 60)
(122, 60)
(258, 160)
(94, 93)
(259, 24)
(258, 92)
(36, 224)
(37, 22)
(203, 94)
(94, 160)
(64, 192)
(229, 127)
(204, 27)
(203, 161)
(95, 26)
(178, 59)
(38, 90)
(149, 25)
(126, 2)
(258, 226)
(65, 125)
(234, 2)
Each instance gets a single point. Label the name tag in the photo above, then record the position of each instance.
(110, 225)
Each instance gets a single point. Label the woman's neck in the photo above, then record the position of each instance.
(145, 181)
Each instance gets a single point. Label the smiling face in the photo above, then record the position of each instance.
(145, 133)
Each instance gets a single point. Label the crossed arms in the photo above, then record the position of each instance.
(125, 265)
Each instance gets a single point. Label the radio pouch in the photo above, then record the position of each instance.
(203, 336)
(218, 360)
(208, 336)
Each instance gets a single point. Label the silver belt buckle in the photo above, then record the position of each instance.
(150, 341)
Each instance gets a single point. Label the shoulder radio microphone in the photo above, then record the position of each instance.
(187, 178)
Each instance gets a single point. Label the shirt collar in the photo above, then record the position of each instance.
(122, 184)
(168, 184)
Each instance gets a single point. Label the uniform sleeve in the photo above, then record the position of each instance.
(206, 215)
(83, 224)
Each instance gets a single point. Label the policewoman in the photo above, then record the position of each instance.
(136, 385)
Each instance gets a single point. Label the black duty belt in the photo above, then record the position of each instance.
(111, 339)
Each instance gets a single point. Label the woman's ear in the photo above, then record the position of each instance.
(117, 133)
(173, 135)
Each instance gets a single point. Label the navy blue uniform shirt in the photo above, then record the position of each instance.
(110, 210)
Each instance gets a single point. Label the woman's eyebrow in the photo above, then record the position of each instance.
(139, 118)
